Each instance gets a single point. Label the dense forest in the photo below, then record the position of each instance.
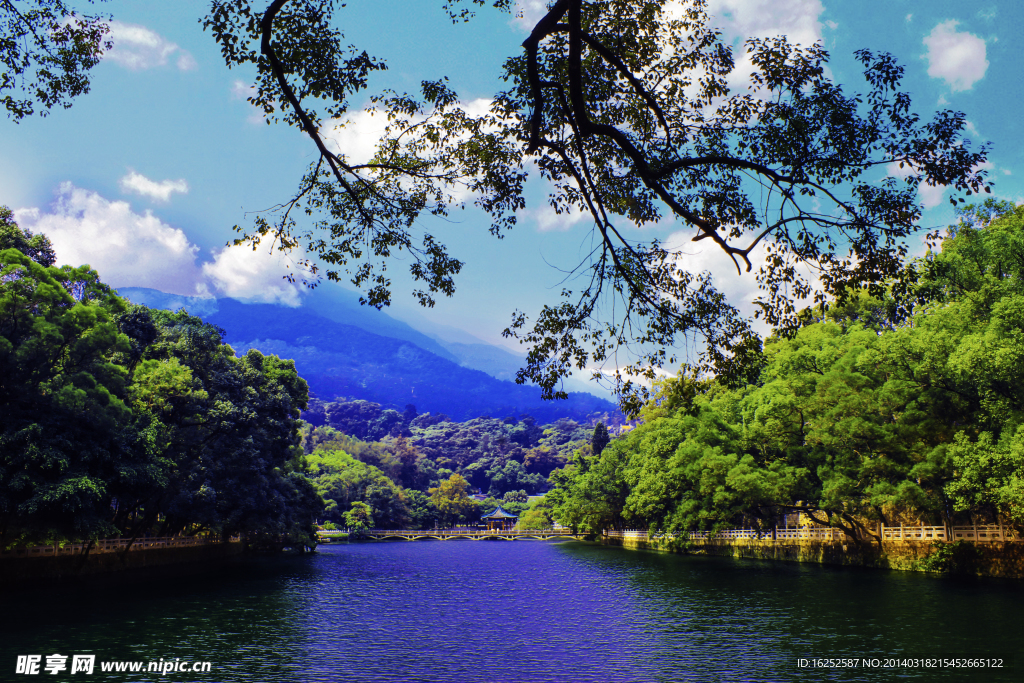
(123, 421)
(407, 467)
(904, 404)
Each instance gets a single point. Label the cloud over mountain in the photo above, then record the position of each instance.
(127, 248)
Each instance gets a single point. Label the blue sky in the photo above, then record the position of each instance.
(145, 176)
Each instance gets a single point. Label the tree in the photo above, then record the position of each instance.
(600, 439)
(359, 518)
(48, 50)
(119, 420)
(451, 500)
(66, 446)
(36, 247)
(903, 408)
(621, 121)
(624, 108)
(613, 101)
(519, 496)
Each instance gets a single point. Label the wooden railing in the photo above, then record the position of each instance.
(975, 533)
(111, 545)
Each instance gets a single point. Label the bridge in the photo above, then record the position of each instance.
(458, 534)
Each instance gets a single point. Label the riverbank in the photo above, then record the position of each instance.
(996, 559)
(189, 559)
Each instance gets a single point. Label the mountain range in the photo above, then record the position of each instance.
(345, 350)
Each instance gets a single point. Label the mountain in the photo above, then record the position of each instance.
(342, 306)
(344, 360)
(496, 361)
(333, 303)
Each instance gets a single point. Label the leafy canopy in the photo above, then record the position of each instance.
(624, 108)
(46, 51)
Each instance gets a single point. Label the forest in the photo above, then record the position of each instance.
(900, 405)
(415, 471)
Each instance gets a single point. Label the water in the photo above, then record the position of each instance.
(520, 611)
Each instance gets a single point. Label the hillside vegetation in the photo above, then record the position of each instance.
(392, 461)
(899, 405)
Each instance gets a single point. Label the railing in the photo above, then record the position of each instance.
(976, 533)
(111, 545)
(913, 533)
(991, 532)
(460, 532)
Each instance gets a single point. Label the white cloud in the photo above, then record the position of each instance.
(356, 137)
(139, 250)
(126, 248)
(550, 221)
(529, 12)
(930, 195)
(137, 47)
(186, 62)
(161, 192)
(740, 289)
(797, 20)
(958, 58)
(242, 91)
(242, 273)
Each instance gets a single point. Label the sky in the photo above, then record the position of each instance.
(145, 177)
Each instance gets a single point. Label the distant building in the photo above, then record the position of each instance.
(499, 520)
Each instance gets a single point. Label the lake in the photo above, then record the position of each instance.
(521, 611)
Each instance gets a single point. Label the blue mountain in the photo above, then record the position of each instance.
(396, 367)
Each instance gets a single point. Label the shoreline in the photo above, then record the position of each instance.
(158, 562)
(997, 559)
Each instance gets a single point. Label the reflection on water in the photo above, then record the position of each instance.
(521, 611)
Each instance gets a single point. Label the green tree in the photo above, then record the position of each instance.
(66, 443)
(451, 501)
(611, 102)
(343, 480)
(359, 518)
(600, 439)
(533, 520)
(422, 514)
(228, 432)
(48, 50)
(36, 247)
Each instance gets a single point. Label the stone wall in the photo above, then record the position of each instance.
(68, 567)
(999, 559)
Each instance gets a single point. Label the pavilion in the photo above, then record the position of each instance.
(499, 520)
